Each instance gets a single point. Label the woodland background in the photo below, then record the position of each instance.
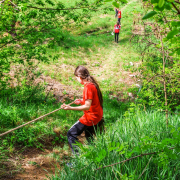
(41, 43)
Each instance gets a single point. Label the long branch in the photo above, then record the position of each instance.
(146, 166)
(177, 2)
(2, 1)
(141, 155)
(126, 160)
(164, 80)
(176, 8)
(54, 9)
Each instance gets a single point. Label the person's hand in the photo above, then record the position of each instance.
(77, 101)
(66, 107)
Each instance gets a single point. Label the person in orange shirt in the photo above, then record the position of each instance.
(91, 104)
(119, 16)
(116, 12)
(117, 28)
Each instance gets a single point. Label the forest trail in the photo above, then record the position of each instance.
(38, 164)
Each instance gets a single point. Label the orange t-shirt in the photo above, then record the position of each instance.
(94, 114)
(117, 28)
(119, 14)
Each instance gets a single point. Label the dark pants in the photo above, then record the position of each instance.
(77, 129)
(119, 20)
(116, 13)
(116, 37)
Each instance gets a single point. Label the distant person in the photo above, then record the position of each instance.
(91, 104)
(116, 12)
(119, 16)
(117, 28)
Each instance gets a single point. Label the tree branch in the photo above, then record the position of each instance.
(58, 9)
(176, 8)
(177, 2)
(141, 155)
(2, 1)
(126, 160)
(13, 4)
(146, 166)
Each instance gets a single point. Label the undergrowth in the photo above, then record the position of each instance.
(136, 133)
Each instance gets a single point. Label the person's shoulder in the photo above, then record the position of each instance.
(90, 86)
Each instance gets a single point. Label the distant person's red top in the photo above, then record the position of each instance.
(117, 28)
(119, 14)
(94, 114)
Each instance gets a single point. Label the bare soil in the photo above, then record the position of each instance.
(39, 164)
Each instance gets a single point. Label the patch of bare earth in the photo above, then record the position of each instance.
(35, 165)
(39, 164)
(59, 91)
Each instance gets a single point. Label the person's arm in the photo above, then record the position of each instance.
(78, 101)
(84, 107)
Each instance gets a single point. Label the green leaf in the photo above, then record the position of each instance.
(115, 4)
(168, 6)
(154, 1)
(101, 155)
(161, 3)
(172, 33)
(49, 2)
(148, 15)
(171, 0)
(175, 23)
(107, 0)
(124, 1)
(121, 147)
(39, 2)
(159, 8)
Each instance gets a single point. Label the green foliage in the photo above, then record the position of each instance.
(161, 3)
(29, 28)
(150, 14)
(137, 133)
(160, 54)
(115, 4)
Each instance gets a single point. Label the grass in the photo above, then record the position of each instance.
(39, 134)
(134, 130)
(92, 45)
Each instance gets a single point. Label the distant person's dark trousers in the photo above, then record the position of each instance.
(119, 20)
(116, 13)
(116, 37)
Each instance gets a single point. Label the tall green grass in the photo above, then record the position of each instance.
(133, 131)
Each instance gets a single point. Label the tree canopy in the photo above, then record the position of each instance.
(29, 28)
